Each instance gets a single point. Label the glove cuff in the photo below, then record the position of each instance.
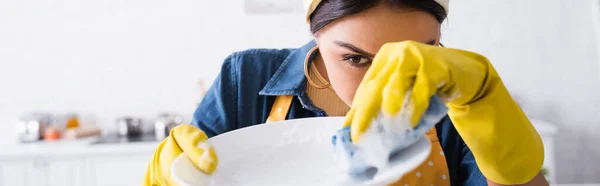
(507, 148)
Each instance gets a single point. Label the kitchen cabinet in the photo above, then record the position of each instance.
(42, 172)
(547, 132)
(118, 170)
(74, 164)
(62, 172)
(15, 172)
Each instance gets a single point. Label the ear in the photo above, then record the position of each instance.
(316, 34)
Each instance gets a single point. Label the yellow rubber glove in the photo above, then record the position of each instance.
(185, 139)
(507, 148)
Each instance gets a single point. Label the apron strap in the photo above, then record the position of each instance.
(432, 135)
(280, 108)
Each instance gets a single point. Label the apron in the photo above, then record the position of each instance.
(434, 171)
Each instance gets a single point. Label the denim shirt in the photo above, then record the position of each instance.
(244, 91)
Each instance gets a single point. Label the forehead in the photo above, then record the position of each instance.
(382, 24)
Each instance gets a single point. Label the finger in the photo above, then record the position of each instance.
(397, 88)
(384, 58)
(424, 88)
(367, 100)
(394, 94)
(366, 109)
(193, 142)
(349, 117)
(415, 68)
(395, 83)
(208, 160)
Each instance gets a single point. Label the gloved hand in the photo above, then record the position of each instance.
(185, 139)
(403, 78)
(384, 145)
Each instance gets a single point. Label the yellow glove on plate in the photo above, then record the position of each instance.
(507, 148)
(184, 138)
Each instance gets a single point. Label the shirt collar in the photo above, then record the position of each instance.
(289, 78)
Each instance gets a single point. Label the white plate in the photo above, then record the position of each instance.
(291, 152)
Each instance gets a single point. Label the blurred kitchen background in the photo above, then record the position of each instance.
(114, 67)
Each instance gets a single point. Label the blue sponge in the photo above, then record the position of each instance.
(362, 171)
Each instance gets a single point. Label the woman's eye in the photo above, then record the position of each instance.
(356, 60)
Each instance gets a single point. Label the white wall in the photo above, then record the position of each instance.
(547, 54)
(113, 58)
(140, 57)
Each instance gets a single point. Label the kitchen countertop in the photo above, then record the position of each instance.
(73, 147)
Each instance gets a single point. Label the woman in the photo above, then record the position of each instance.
(371, 54)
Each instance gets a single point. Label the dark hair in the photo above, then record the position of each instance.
(331, 10)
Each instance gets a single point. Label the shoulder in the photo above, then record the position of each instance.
(258, 57)
(242, 75)
(250, 70)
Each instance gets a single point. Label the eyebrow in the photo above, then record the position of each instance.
(363, 52)
(354, 48)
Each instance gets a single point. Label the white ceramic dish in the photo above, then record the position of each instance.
(291, 152)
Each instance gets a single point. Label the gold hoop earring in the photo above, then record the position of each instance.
(307, 75)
